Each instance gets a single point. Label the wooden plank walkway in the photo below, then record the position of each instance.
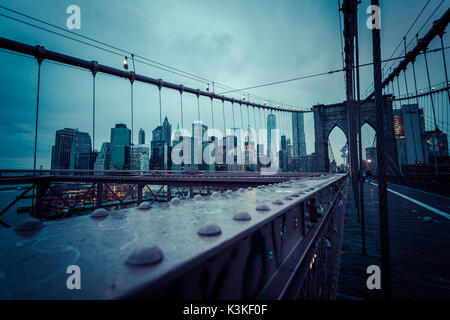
(420, 247)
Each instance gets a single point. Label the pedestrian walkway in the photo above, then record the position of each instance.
(420, 246)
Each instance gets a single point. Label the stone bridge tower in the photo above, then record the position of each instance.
(326, 117)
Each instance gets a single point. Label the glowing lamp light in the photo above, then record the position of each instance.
(207, 87)
(125, 63)
(369, 160)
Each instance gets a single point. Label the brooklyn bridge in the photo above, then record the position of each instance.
(236, 209)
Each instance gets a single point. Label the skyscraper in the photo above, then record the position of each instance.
(271, 124)
(298, 135)
(120, 147)
(409, 127)
(140, 157)
(103, 158)
(62, 157)
(161, 146)
(80, 152)
(141, 136)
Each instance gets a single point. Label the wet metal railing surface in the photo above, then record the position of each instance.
(280, 241)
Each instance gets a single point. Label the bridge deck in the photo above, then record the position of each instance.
(420, 242)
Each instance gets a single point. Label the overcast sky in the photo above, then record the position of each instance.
(239, 43)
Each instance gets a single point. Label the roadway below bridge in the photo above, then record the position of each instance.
(419, 225)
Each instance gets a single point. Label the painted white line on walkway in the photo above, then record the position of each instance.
(439, 212)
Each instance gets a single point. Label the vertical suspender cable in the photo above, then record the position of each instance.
(429, 84)
(407, 95)
(132, 108)
(198, 104)
(223, 114)
(212, 112)
(441, 35)
(404, 72)
(404, 144)
(39, 60)
(232, 110)
(181, 107)
(248, 116)
(93, 119)
(432, 108)
(254, 116)
(160, 105)
(242, 119)
(415, 80)
(37, 115)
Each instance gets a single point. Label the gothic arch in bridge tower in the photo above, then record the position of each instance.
(327, 117)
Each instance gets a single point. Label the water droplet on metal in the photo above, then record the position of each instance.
(242, 216)
(175, 202)
(229, 192)
(262, 207)
(241, 190)
(30, 225)
(249, 188)
(215, 194)
(198, 198)
(210, 229)
(99, 213)
(144, 206)
(277, 202)
(144, 256)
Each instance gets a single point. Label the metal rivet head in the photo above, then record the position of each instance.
(241, 190)
(175, 202)
(210, 229)
(215, 194)
(262, 207)
(198, 198)
(279, 202)
(119, 214)
(145, 256)
(242, 216)
(229, 192)
(30, 225)
(99, 213)
(249, 188)
(287, 198)
(144, 206)
(295, 195)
